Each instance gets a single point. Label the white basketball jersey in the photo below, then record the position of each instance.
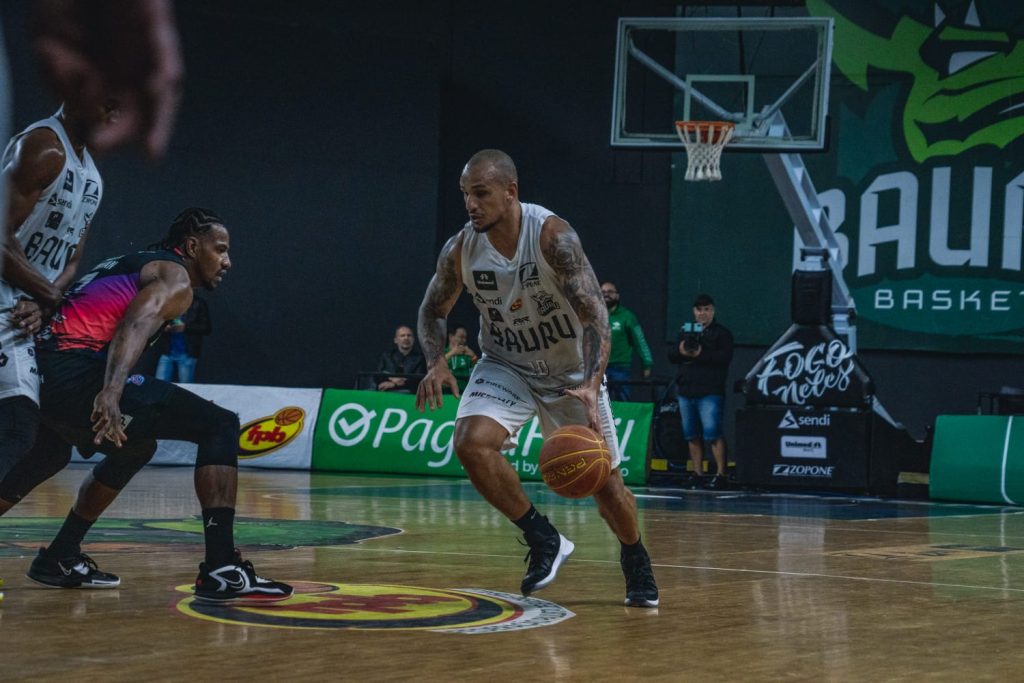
(50, 234)
(526, 322)
(49, 237)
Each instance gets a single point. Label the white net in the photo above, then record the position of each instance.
(704, 142)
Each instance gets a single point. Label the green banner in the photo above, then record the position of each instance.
(923, 180)
(369, 431)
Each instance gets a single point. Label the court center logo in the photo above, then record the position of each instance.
(371, 607)
(350, 423)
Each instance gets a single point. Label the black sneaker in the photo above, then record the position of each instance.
(76, 571)
(641, 591)
(545, 556)
(237, 583)
(719, 482)
(691, 481)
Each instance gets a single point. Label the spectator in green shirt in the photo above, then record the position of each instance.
(627, 339)
(460, 357)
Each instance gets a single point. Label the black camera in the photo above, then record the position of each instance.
(691, 336)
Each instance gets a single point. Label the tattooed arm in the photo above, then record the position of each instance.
(562, 250)
(442, 292)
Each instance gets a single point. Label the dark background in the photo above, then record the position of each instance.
(330, 137)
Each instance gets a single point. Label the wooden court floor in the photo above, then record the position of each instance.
(416, 579)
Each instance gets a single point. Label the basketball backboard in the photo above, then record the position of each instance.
(743, 70)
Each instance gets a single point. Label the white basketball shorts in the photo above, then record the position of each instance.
(19, 374)
(502, 394)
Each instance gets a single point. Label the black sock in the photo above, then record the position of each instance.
(219, 531)
(535, 524)
(68, 541)
(632, 548)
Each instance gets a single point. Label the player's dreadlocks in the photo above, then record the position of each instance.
(191, 221)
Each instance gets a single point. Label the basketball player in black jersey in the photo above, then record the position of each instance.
(89, 400)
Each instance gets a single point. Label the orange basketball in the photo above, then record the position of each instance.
(574, 461)
(289, 416)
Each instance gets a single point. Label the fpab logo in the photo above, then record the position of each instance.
(368, 607)
(266, 434)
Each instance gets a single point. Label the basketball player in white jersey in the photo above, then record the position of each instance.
(545, 341)
(54, 192)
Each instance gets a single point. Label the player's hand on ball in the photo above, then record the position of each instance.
(428, 393)
(588, 395)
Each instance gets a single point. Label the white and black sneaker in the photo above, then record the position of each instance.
(237, 583)
(545, 556)
(76, 571)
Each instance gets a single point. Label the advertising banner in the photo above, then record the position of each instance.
(366, 431)
(276, 426)
(923, 180)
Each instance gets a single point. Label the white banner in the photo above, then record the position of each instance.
(276, 426)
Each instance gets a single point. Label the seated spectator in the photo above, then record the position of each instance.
(460, 357)
(403, 359)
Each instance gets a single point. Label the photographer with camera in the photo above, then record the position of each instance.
(703, 352)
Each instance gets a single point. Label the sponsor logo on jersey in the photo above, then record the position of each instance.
(525, 320)
(529, 275)
(495, 315)
(56, 200)
(69, 181)
(267, 434)
(817, 471)
(481, 380)
(483, 394)
(516, 305)
(91, 194)
(54, 219)
(545, 302)
(493, 300)
(485, 279)
(321, 605)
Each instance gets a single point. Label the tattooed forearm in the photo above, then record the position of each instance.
(580, 286)
(441, 294)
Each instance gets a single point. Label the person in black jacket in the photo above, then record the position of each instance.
(703, 354)
(404, 358)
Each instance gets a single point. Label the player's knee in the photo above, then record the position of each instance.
(117, 469)
(469, 448)
(220, 445)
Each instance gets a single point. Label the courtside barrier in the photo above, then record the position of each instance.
(978, 458)
(367, 431)
(276, 426)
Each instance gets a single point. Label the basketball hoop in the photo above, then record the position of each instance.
(704, 142)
